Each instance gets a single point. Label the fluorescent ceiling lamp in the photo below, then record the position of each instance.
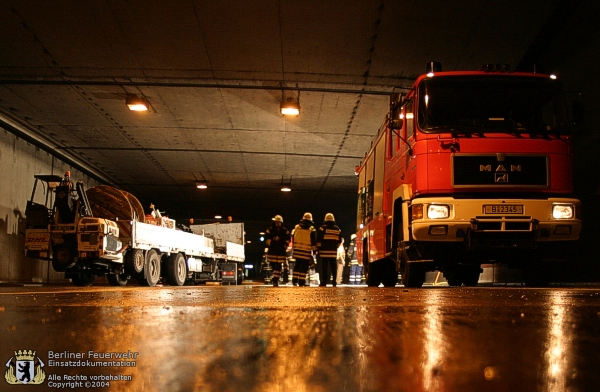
(137, 104)
(286, 188)
(201, 185)
(290, 108)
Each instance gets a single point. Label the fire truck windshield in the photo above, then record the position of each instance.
(478, 104)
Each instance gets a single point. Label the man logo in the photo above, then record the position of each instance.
(24, 369)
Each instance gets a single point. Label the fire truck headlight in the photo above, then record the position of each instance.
(563, 211)
(438, 211)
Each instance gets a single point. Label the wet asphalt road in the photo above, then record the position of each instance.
(260, 338)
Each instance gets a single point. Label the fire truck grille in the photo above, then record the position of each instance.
(500, 170)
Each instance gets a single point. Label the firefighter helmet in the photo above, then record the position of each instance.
(307, 216)
(278, 218)
(329, 217)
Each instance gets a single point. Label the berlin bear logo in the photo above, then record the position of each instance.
(25, 368)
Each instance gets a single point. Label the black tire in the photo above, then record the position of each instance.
(373, 275)
(389, 275)
(151, 274)
(413, 273)
(176, 270)
(83, 279)
(64, 256)
(455, 276)
(117, 279)
(471, 275)
(134, 262)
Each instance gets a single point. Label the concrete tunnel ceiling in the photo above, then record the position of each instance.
(215, 73)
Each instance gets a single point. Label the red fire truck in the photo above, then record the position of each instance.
(468, 168)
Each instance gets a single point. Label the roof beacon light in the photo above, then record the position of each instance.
(432, 67)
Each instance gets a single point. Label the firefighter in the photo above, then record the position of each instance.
(277, 238)
(355, 267)
(329, 238)
(303, 245)
(341, 262)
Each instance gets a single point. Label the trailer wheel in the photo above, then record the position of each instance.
(83, 279)
(151, 269)
(134, 261)
(117, 279)
(64, 256)
(176, 270)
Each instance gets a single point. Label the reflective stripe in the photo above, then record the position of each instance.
(276, 258)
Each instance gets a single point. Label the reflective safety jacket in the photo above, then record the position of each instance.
(329, 238)
(305, 240)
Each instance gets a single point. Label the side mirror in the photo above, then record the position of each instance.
(395, 123)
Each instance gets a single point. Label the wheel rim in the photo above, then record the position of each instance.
(181, 270)
(153, 268)
(63, 259)
(138, 261)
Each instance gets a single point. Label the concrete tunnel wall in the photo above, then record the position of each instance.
(19, 161)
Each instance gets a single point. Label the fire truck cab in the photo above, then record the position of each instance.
(468, 168)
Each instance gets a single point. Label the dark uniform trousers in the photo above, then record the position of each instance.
(300, 271)
(328, 263)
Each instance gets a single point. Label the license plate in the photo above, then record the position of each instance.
(503, 209)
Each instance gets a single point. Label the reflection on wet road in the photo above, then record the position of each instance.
(255, 338)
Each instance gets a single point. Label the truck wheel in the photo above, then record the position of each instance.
(176, 270)
(389, 275)
(151, 269)
(134, 261)
(414, 275)
(117, 279)
(83, 280)
(64, 256)
(471, 275)
(373, 274)
(455, 276)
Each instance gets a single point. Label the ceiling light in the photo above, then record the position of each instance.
(137, 104)
(287, 186)
(201, 185)
(218, 216)
(290, 107)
